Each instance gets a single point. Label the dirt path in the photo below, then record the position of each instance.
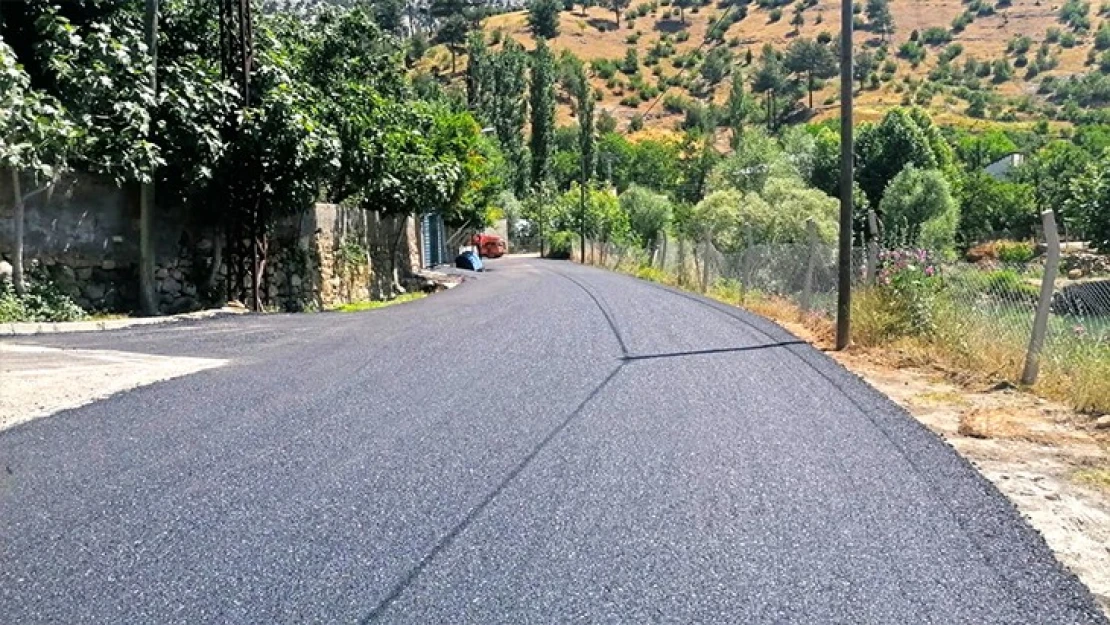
(39, 381)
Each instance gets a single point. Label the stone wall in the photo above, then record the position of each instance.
(85, 237)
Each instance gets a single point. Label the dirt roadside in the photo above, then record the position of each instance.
(39, 381)
(1052, 462)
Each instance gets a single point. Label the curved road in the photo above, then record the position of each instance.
(546, 444)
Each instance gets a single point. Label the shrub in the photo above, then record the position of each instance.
(43, 301)
(776, 15)
(1015, 251)
(908, 282)
(561, 245)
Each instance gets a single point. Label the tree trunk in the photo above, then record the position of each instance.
(809, 84)
(17, 261)
(617, 14)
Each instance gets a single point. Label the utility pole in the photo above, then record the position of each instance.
(147, 302)
(582, 207)
(847, 154)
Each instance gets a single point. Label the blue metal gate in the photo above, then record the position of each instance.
(432, 226)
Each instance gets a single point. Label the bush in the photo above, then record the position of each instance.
(42, 302)
(1015, 252)
(561, 245)
(908, 282)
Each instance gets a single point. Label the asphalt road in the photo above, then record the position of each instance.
(545, 444)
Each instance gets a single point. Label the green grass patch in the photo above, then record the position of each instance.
(374, 305)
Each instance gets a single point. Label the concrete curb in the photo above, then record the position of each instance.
(31, 328)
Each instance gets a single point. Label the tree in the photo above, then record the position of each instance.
(778, 214)
(648, 214)
(543, 18)
(716, 65)
(770, 79)
(863, 66)
(508, 110)
(389, 14)
(799, 19)
(919, 210)
(989, 207)
(810, 61)
(453, 34)
(35, 139)
(617, 7)
(738, 107)
(479, 75)
(542, 89)
(584, 109)
(756, 158)
(1089, 201)
(716, 219)
(880, 17)
(885, 149)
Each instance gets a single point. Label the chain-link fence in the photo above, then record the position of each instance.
(977, 317)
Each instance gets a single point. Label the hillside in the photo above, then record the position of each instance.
(992, 38)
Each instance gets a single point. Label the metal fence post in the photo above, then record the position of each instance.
(1048, 286)
(811, 262)
(705, 265)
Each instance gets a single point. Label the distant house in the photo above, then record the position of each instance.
(1003, 168)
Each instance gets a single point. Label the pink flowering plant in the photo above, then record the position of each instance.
(910, 281)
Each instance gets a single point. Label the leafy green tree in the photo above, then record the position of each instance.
(785, 207)
(649, 213)
(389, 14)
(755, 159)
(810, 61)
(862, 68)
(584, 109)
(883, 150)
(990, 207)
(36, 137)
(543, 18)
(542, 89)
(1089, 201)
(716, 219)
(738, 107)
(453, 34)
(508, 110)
(1050, 172)
(919, 210)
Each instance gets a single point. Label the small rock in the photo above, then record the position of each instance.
(176, 274)
(1103, 422)
(171, 286)
(1075, 274)
(84, 273)
(6, 269)
(161, 273)
(108, 265)
(295, 281)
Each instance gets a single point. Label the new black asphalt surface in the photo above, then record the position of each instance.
(545, 444)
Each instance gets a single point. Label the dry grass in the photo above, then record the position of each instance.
(1099, 478)
(985, 39)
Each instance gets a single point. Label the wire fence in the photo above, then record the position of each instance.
(977, 316)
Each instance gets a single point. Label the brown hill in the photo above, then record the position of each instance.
(593, 36)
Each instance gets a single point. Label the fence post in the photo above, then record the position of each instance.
(872, 246)
(811, 262)
(705, 265)
(1048, 286)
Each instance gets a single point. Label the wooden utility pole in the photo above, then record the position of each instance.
(847, 154)
(148, 304)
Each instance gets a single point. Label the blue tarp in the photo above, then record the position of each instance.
(468, 260)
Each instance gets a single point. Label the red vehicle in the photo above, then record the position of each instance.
(489, 245)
